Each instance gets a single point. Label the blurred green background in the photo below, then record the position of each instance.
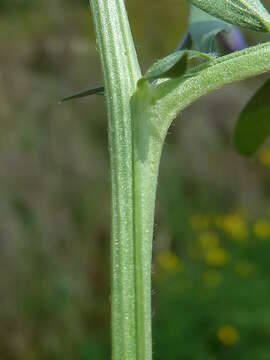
(211, 288)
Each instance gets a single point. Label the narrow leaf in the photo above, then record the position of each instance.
(84, 93)
(253, 126)
(204, 28)
(249, 14)
(173, 65)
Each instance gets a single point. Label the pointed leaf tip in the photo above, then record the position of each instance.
(253, 125)
(250, 14)
(91, 91)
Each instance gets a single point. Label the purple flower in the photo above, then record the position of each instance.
(233, 41)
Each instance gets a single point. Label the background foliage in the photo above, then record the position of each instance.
(212, 239)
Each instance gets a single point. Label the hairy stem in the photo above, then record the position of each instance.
(121, 72)
(146, 154)
(139, 116)
(174, 95)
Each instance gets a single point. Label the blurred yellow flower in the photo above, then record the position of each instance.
(228, 335)
(208, 240)
(199, 222)
(169, 261)
(244, 268)
(234, 225)
(217, 257)
(212, 278)
(261, 229)
(264, 158)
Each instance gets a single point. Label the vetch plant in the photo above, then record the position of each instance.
(141, 108)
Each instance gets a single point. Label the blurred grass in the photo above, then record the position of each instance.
(54, 209)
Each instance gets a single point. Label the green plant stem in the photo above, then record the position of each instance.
(139, 116)
(134, 151)
(134, 156)
(154, 109)
(121, 72)
(175, 95)
(146, 155)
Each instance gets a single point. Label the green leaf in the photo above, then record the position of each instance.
(173, 65)
(91, 91)
(253, 126)
(249, 14)
(204, 28)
